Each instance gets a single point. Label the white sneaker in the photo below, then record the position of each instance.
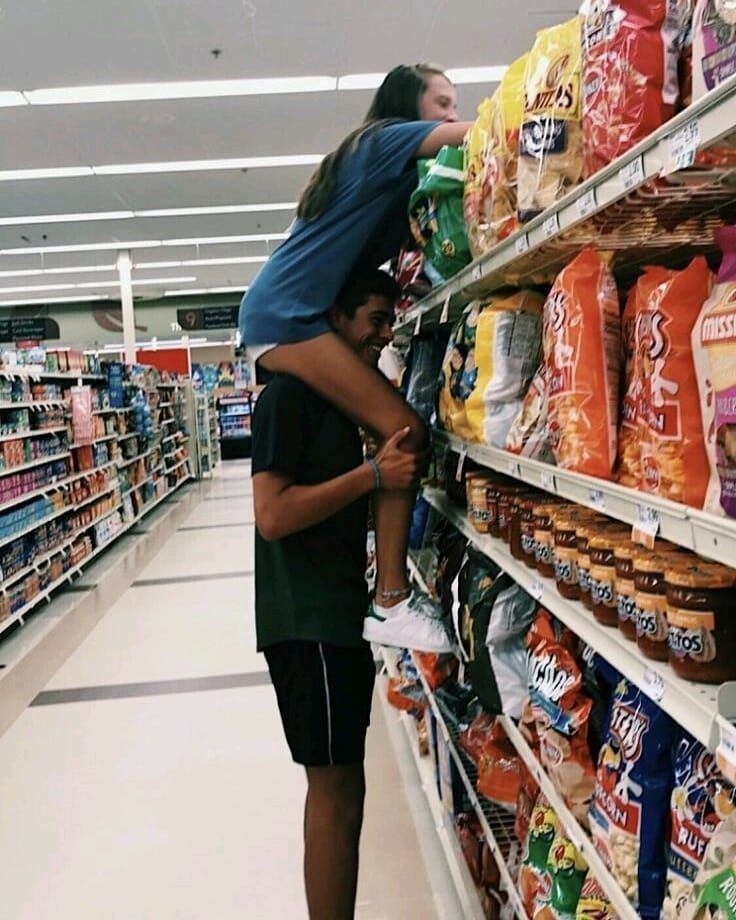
(411, 624)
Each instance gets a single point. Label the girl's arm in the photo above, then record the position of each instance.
(450, 134)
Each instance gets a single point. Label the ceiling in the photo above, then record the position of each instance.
(44, 44)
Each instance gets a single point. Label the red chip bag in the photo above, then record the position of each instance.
(582, 336)
(436, 669)
(629, 447)
(474, 737)
(674, 458)
(470, 835)
(630, 73)
(499, 769)
(406, 696)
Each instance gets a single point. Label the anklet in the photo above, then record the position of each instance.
(393, 595)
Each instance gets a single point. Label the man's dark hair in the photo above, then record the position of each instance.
(365, 284)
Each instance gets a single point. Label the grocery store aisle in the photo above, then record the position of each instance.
(149, 780)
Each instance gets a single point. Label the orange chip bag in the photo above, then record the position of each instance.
(630, 73)
(629, 448)
(499, 769)
(582, 335)
(673, 454)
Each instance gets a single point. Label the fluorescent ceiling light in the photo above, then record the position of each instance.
(54, 172)
(239, 289)
(71, 270)
(94, 284)
(12, 99)
(191, 263)
(171, 166)
(477, 74)
(82, 298)
(89, 269)
(361, 81)
(144, 244)
(73, 218)
(65, 218)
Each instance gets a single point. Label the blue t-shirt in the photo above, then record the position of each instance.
(364, 225)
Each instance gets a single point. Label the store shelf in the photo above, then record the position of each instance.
(680, 212)
(697, 707)
(38, 373)
(148, 479)
(122, 464)
(36, 564)
(9, 470)
(35, 525)
(130, 434)
(83, 473)
(711, 536)
(35, 404)
(92, 498)
(164, 405)
(32, 433)
(171, 437)
(106, 437)
(175, 468)
(168, 421)
(462, 880)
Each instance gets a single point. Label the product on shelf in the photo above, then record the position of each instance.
(714, 45)
(714, 347)
(529, 432)
(674, 459)
(551, 144)
(507, 349)
(82, 418)
(713, 896)
(701, 799)
(594, 903)
(436, 669)
(582, 352)
(604, 601)
(499, 768)
(535, 881)
(459, 374)
(477, 142)
(567, 870)
(632, 796)
(630, 73)
(651, 601)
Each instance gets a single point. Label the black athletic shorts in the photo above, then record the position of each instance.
(324, 694)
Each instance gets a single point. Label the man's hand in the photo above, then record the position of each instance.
(399, 469)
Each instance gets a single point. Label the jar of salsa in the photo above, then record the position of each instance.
(515, 521)
(603, 573)
(506, 495)
(625, 587)
(565, 522)
(527, 506)
(701, 620)
(544, 540)
(477, 487)
(585, 530)
(651, 601)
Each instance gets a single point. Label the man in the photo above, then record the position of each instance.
(311, 490)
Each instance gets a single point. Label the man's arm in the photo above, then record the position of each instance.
(283, 508)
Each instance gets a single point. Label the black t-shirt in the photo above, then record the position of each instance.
(310, 585)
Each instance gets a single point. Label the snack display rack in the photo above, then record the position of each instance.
(208, 441)
(234, 415)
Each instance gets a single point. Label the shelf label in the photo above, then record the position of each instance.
(548, 482)
(515, 469)
(597, 499)
(646, 526)
(461, 463)
(587, 203)
(536, 589)
(418, 324)
(632, 174)
(681, 148)
(445, 315)
(653, 685)
(551, 226)
(522, 244)
(726, 750)
(476, 273)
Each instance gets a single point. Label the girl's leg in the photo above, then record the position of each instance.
(330, 367)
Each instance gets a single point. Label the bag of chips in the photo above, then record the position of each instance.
(632, 795)
(529, 434)
(508, 340)
(477, 144)
(714, 45)
(594, 903)
(436, 213)
(673, 454)
(698, 794)
(459, 374)
(535, 881)
(582, 337)
(551, 141)
(630, 80)
(713, 896)
(629, 447)
(567, 869)
(436, 669)
(714, 348)
(473, 738)
(499, 769)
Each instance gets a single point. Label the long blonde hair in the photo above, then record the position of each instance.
(397, 99)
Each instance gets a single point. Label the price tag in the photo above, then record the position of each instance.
(646, 527)
(446, 309)
(632, 174)
(522, 244)
(726, 751)
(548, 482)
(551, 226)
(587, 203)
(597, 499)
(461, 463)
(653, 685)
(476, 273)
(536, 589)
(681, 148)
(418, 324)
(514, 469)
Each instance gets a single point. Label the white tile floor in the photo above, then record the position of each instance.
(170, 805)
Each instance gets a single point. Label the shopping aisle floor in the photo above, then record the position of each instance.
(150, 779)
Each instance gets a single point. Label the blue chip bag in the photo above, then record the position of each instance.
(631, 802)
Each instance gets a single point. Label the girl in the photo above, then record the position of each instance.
(351, 216)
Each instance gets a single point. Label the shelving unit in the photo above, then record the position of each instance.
(234, 415)
(207, 438)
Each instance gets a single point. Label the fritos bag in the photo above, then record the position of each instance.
(551, 142)
(629, 447)
(714, 348)
(673, 455)
(582, 334)
(508, 340)
(630, 79)
(459, 374)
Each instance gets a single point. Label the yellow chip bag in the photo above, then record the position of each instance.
(551, 142)
(477, 143)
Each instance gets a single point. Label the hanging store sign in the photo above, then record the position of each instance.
(205, 318)
(22, 328)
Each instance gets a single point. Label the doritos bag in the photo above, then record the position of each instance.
(629, 447)
(551, 142)
(674, 459)
(459, 374)
(436, 213)
(630, 80)
(714, 348)
(582, 334)
(508, 341)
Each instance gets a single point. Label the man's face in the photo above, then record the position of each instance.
(369, 331)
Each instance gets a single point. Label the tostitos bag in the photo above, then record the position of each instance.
(674, 459)
(551, 142)
(582, 335)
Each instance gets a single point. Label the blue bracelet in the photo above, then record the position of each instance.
(373, 463)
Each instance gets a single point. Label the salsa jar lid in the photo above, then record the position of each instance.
(700, 574)
(611, 537)
(544, 510)
(648, 561)
(587, 529)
